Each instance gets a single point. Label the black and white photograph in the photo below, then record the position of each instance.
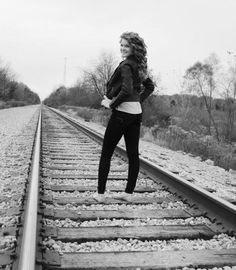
(118, 135)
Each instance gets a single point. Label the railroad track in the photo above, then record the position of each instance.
(169, 224)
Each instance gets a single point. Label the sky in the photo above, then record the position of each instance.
(47, 43)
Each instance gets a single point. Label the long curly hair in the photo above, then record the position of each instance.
(139, 50)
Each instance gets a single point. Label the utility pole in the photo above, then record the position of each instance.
(64, 78)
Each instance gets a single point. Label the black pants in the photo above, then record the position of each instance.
(126, 124)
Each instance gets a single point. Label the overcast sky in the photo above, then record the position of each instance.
(37, 35)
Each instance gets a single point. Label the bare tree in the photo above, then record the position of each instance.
(98, 76)
(227, 85)
(7, 84)
(200, 80)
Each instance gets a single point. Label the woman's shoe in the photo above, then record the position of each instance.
(99, 197)
(124, 196)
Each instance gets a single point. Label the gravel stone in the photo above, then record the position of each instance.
(153, 206)
(68, 223)
(87, 182)
(89, 194)
(17, 129)
(221, 241)
(7, 242)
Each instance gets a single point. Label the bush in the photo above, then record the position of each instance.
(100, 116)
(12, 103)
(3, 105)
(206, 147)
(16, 103)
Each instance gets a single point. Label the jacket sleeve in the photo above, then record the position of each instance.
(126, 86)
(148, 89)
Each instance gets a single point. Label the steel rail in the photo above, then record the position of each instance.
(27, 256)
(215, 207)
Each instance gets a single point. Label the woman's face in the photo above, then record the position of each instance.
(125, 48)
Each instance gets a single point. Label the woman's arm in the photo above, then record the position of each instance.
(126, 86)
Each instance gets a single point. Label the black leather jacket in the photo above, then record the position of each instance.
(125, 84)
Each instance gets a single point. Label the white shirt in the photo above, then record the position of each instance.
(133, 107)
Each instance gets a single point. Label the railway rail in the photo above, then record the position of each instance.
(168, 224)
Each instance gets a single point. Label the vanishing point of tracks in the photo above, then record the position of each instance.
(169, 224)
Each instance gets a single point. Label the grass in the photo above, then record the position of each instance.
(223, 155)
(12, 103)
(98, 116)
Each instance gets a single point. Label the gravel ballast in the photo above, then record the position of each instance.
(68, 223)
(17, 130)
(221, 241)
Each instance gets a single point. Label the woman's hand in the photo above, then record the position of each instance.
(106, 102)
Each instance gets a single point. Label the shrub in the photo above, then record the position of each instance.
(3, 105)
(100, 116)
(16, 103)
(206, 147)
(12, 103)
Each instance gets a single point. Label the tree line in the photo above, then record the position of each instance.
(14, 93)
(206, 104)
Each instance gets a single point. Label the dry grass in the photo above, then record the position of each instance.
(223, 155)
(12, 103)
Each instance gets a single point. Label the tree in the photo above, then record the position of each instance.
(7, 85)
(98, 76)
(13, 92)
(228, 92)
(200, 79)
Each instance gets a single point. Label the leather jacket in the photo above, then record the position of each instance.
(125, 84)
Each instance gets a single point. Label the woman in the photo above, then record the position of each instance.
(124, 94)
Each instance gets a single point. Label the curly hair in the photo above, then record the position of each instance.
(138, 47)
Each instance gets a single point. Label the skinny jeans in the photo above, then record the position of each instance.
(120, 123)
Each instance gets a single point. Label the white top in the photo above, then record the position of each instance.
(133, 107)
